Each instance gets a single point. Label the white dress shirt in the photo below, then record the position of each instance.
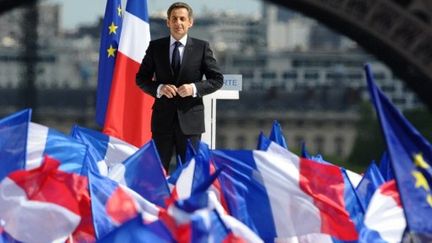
(183, 42)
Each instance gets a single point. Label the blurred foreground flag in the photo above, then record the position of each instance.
(129, 109)
(272, 191)
(410, 155)
(143, 173)
(384, 220)
(111, 205)
(104, 151)
(135, 230)
(194, 173)
(110, 37)
(371, 180)
(44, 141)
(45, 205)
(13, 140)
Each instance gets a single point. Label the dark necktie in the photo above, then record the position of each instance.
(175, 62)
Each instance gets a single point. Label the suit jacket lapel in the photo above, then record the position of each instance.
(186, 54)
(166, 55)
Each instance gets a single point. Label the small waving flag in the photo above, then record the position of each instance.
(105, 151)
(111, 205)
(44, 141)
(143, 173)
(13, 142)
(384, 219)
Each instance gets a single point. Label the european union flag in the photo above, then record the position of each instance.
(110, 37)
(410, 155)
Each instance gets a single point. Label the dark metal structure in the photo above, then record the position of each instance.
(6, 5)
(29, 56)
(398, 32)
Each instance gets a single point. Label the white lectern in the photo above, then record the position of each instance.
(230, 91)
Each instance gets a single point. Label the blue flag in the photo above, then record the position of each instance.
(13, 142)
(136, 231)
(143, 173)
(385, 167)
(45, 141)
(370, 182)
(110, 204)
(263, 142)
(110, 37)
(410, 155)
(277, 136)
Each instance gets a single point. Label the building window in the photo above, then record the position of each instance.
(241, 142)
(289, 75)
(319, 144)
(334, 75)
(221, 141)
(380, 76)
(268, 75)
(299, 140)
(299, 123)
(357, 76)
(311, 75)
(339, 148)
(247, 74)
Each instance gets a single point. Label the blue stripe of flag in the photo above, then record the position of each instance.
(138, 8)
(13, 142)
(247, 197)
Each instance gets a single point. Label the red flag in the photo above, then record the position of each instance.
(129, 109)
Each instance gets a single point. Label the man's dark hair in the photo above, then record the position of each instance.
(180, 5)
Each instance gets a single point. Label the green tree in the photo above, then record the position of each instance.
(369, 144)
(421, 118)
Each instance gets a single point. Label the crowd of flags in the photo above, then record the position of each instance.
(88, 186)
(110, 186)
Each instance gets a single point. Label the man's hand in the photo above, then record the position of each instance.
(168, 90)
(185, 90)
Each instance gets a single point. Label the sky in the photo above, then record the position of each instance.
(76, 12)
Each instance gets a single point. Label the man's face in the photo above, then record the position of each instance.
(179, 22)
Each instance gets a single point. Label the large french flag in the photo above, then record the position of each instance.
(129, 109)
(283, 197)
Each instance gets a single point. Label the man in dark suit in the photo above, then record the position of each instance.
(172, 72)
